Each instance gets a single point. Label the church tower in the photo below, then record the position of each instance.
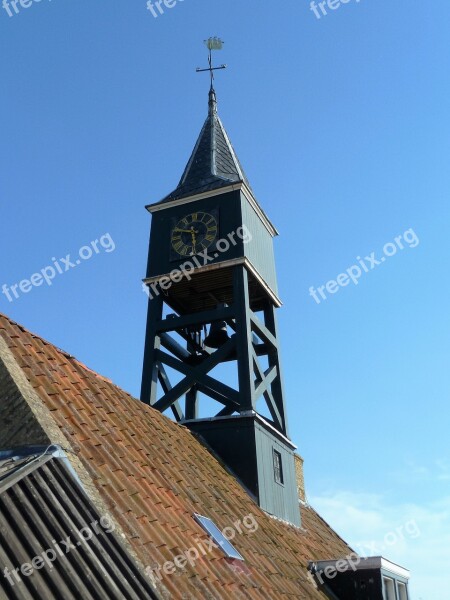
(213, 299)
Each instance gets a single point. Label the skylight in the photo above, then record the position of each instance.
(214, 532)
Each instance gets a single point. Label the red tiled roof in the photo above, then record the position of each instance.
(153, 474)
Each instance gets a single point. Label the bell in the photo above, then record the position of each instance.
(218, 335)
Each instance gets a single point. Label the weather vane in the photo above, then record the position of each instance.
(213, 43)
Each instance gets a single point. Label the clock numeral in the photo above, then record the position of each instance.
(210, 237)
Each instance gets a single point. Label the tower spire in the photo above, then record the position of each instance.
(213, 163)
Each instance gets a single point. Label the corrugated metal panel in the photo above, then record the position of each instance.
(260, 250)
(44, 513)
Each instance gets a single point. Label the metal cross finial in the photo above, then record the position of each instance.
(213, 43)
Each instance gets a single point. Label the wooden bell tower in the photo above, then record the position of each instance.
(212, 302)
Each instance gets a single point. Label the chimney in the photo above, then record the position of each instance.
(300, 478)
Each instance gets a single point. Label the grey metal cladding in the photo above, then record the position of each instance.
(43, 509)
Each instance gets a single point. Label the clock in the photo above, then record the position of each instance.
(193, 233)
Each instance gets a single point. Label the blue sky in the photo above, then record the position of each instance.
(342, 126)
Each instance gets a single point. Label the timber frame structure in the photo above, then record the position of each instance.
(252, 338)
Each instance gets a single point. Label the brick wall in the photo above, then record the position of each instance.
(300, 478)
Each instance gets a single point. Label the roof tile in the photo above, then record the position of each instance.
(154, 474)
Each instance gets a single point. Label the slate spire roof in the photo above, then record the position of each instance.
(213, 163)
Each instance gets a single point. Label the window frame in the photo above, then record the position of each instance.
(389, 594)
(277, 465)
(217, 536)
(402, 584)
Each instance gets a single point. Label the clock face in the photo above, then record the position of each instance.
(194, 233)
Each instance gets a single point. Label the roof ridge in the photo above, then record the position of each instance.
(57, 348)
(327, 525)
(234, 156)
(75, 360)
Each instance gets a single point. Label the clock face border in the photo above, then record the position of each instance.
(176, 256)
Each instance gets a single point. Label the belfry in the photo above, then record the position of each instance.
(211, 264)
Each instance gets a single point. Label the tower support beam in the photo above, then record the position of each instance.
(244, 337)
(251, 339)
(152, 343)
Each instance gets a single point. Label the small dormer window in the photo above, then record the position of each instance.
(402, 591)
(355, 577)
(278, 467)
(389, 588)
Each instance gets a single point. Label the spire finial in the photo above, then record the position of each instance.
(212, 104)
(212, 43)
